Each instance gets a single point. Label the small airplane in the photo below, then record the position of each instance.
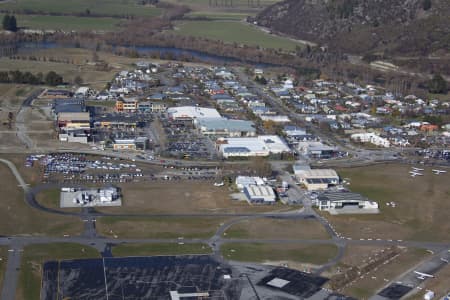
(444, 260)
(416, 169)
(414, 174)
(218, 183)
(422, 276)
(437, 172)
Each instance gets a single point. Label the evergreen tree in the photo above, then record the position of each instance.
(12, 24)
(5, 22)
(438, 85)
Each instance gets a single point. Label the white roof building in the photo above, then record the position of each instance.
(262, 145)
(243, 181)
(370, 137)
(192, 112)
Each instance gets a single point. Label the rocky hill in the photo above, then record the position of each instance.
(386, 27)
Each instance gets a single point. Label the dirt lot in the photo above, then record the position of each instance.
(422, 205)
(182, 197)
(158, 227)
(276, 228)
(17, 218)
(388, 267)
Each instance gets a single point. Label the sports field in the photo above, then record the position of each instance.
(234, 32)
(67, 23)
(421, 204)
(100, 7)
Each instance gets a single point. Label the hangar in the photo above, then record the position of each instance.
(315, 179)
(345, 202)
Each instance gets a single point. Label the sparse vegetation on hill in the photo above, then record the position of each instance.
(396, 27)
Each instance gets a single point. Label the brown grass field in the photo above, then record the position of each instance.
(274, 253)
(160, 249)
(17, 218)
(277, 228)
(422, 204)
(181, 197)
(158, 227)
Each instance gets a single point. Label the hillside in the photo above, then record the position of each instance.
(388, 27)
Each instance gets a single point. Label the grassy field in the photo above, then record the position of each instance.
(29, 284)
(233, 32)
(421, 211)
(104, 7)
(158, 227)
(217, 16)
(369, 284)
(68, 70)
(67, 23)
(276, 228)
(237, 4)
(317, 254)
(181, 197)
(17, 218)
(160, 249)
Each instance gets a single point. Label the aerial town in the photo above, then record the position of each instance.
(139, 165)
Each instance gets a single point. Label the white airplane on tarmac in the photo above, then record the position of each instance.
(416, 169)
(422, 275)
(437, 172)
(414, 174)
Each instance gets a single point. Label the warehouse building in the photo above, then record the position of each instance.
(260, 194)
(345, 203)
(263, 145)
(222, 127)
(315, 179)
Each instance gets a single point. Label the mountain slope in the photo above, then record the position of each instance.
(390, 27)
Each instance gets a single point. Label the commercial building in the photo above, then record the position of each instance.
(315, 149)
(345, 203)
(74, 120)
(131, 144)
(222, 127)
(126, 105)
(263, 145)
(153, 107)
(192, 113)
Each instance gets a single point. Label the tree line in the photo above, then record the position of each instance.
(51, 78)
(9, 23)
